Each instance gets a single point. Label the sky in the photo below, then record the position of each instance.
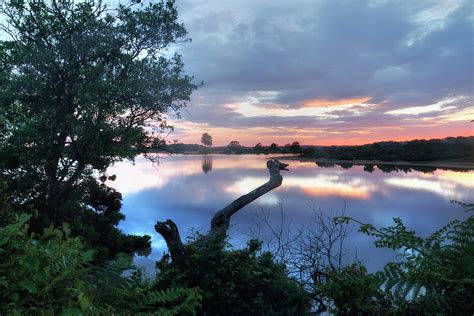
(327, 72)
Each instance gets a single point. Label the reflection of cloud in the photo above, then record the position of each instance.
(143, 174)
(448, 189)
(245, 185)
(465, 179)
(179, 190)
(324, 185)
(318, 185)
(332, 191)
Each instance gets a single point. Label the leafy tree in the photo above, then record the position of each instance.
(206, 139)
(274, 147)
(82, 86)
(258, 147)
(234, 144)
(295, 147)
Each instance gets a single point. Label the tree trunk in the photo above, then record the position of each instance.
(221, 220)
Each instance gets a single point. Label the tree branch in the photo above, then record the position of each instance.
(221, 220)
(170, 233)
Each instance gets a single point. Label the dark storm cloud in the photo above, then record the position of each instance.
(400, 54)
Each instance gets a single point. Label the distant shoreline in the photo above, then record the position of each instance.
(357, 162)
(436, 164)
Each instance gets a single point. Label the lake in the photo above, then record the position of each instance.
(189, 189)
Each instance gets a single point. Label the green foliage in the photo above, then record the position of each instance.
(353, 291)
(42, 274)
(97, 224)
(80, 85)
(52, 274)
(137, 295)
(234, 282)
(436, 274)
(6, 213)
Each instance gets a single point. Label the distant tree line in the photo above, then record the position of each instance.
(451, 148)
(234, 147)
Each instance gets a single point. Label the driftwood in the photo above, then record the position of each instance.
(221, 220)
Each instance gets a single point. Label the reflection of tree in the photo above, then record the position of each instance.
(406, 168)
(388, 168)
(323, 164)
(369, 168)
(427, 169)
(345, 165)
(206, 163)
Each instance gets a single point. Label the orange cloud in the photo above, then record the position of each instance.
(317, 103)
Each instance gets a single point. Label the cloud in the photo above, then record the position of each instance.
(316, 103)
(283, 64)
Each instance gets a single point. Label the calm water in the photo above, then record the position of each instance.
(190, 189)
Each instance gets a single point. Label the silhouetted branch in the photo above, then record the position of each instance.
(220, 221)
(170, 233)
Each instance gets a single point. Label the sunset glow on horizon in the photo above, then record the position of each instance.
(191, 134)
(327, 73)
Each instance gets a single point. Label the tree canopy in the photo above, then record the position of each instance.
(234, 143)
(82, 86)
(206, 139)
(274, 147)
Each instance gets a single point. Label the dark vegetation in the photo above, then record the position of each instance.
(388, 167)
(234, 147)
(235, 282)
(80, 84)
(448, 149)
(455, 149)
(432, 276)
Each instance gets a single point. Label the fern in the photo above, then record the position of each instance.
(179, 301)
(135, 294)
(437, 273)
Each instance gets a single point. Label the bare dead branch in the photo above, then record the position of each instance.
(170, 233)
(221, 220)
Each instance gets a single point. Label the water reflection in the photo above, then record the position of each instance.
(206, 163)
(183, 188)
(387, 168)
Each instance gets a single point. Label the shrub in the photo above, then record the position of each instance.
(235, 282)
